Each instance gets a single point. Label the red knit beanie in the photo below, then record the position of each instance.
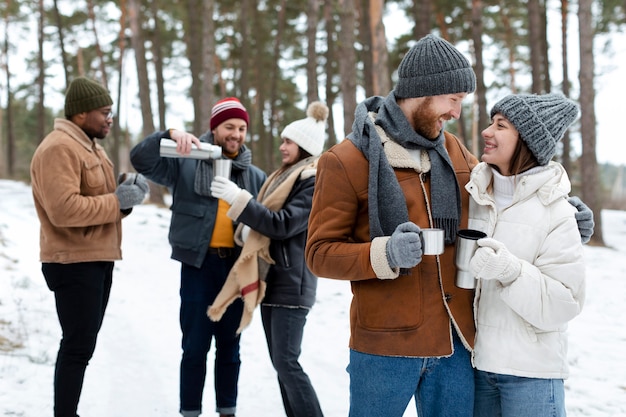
(228, 108)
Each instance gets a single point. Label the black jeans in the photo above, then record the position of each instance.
(81, 291)
(284, 329)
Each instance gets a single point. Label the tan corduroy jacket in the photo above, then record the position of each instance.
(73, 187)
(410, 315)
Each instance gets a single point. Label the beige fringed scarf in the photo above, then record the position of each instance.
(246, 278)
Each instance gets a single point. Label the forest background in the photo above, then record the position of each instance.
(166, 60)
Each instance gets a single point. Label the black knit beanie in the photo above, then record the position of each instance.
(85, 95)
(433, 67)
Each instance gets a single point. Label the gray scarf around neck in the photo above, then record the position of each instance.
(239, 170)
(387, 205)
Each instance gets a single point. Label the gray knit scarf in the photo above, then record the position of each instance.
(387, 205)
(239, 174)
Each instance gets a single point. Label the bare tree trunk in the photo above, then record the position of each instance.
(208, 64)
(589, 165)
(116, 153)
(41, 78)
(157, 54)
(275, 74)
(510, 41)
(331, 59)
(10, 134)
(92, 18)
(362, 12)
(545, 73)
(312, 92)
(347, 62)
(194, 41)
(137, 41)
(566, 157)
(422, 14)
(482, 121)
(381, 80)
(66, 64)
(534, 41)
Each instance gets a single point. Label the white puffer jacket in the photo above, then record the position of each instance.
(521, 326)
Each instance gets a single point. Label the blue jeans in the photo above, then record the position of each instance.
(198, 289)
(500, 395)
(382, 386)
(284, 328)
(81, 292)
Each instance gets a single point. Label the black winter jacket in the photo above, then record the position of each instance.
(289, 281)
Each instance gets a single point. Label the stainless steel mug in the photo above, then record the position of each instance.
(465, 247)
(432, 241)
(221, 168)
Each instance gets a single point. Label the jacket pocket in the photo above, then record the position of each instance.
(188, 225)
(93, 175)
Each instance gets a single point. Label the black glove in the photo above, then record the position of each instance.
(584, 217)
(132, 190)
(404, 249)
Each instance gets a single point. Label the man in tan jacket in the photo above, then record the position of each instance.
(80, 208)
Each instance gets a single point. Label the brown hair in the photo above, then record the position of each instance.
(521, 160)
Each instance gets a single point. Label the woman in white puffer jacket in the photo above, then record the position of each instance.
(530, 269)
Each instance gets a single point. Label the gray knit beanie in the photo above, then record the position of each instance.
(84, 95)
(541, 120)
(433, 67)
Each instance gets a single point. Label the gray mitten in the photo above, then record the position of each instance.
(132, 191)
(404, 248)
(584, 217)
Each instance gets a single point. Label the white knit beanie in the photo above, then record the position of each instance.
(309, 133)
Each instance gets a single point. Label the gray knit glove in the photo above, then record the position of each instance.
(132, 191)
(584, 217)
(404, 249)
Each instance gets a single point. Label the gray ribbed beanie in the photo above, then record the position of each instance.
(84, 95)
(433, 67)
(541, 120)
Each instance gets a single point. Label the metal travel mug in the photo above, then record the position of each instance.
(432, 241)
(465, 247)
(221, 168)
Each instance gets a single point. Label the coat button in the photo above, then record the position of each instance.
(448, 297)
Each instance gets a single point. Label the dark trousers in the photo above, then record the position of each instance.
(199, 287)
(284, 329)
(81, 292)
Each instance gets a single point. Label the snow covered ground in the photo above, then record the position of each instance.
(134, 371)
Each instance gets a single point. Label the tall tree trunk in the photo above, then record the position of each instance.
(330, 69)
(589, 165)
(116, 153)
(66, 64)
(422, 14)
(92, 19)
(381, 80)
(194, 41)
(347, 62)
(274, 76)
(41, 78)
(547, 81)
(312, 92)
(10, 134)
(362, 11)
(138, 43)
(534, 41)
(510, 41)
(482, 120)
(208, 64)
(566, 157)
(157, 59)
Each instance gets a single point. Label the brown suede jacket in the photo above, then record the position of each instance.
(410, 315)
(73, 187)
